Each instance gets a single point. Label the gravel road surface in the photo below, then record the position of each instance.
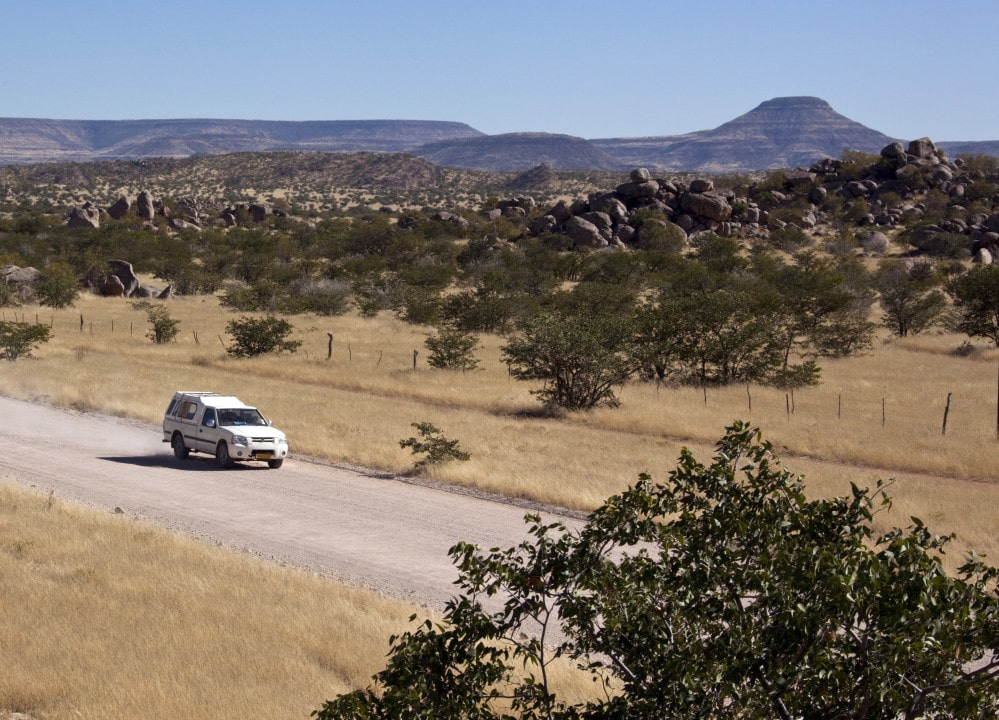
(367, 528)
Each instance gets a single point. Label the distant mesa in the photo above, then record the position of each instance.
(515, 152)
(782, 132)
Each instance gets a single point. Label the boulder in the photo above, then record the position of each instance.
(120, 208)
(259, 211)
(166, 292)
(584, 233)
(748, 214)
(875, 242)
(857, 189)
(124, 272)
(923, 148)
(144, 205)
(625, 234)
(113, 287)
(543, 224)
(942, 174)
(701, 186)
(982, 257)
(19, 275)
(190, 210)
(638, 189)
(895, 152)
(685, 222)
(561, 211)
(83, 217)
(609, 203)
(640, 175)
(706, 205)
(601, 219)
(494, 214)
(178, 224)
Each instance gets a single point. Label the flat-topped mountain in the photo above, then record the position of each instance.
(783, 132)
(25, 140)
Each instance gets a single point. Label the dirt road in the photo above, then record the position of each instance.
(364, 527)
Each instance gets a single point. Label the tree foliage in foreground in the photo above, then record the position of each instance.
(721, 593)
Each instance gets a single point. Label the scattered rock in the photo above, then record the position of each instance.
(120, 208)
(144, 206)
(87, 216)
(125, 274)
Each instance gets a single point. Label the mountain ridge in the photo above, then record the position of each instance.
(781, 132)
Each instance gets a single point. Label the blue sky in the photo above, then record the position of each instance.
(909, 68)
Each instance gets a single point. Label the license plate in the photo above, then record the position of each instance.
(265, 456)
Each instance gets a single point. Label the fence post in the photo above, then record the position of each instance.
(946, 412)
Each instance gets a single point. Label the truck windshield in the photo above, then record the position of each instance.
(240, 416)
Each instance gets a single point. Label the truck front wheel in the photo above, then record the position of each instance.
(180, 450)
(222, 457)
(275, 464)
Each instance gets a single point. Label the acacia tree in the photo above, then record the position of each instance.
(581, 359)
(976, 297)
(909, 297)
(724, 593)
(711, 323)
(821, 313)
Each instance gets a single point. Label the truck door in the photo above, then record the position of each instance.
(208, 431)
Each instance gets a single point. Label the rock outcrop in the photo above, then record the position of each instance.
(88, 216)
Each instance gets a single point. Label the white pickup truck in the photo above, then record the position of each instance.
(223, 426)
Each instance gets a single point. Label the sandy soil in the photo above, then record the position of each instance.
(367, 528)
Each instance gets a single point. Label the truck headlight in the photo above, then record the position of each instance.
(240, 440)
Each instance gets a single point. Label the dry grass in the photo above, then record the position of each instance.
(106, 617)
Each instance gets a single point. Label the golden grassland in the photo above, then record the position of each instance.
(875, 416)
(106, 617)
(109, 618)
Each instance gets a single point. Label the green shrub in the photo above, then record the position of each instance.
(256, 336)
(434, 447)
(58, 286)
(452, 349)
(18, 339)
(163, 328)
